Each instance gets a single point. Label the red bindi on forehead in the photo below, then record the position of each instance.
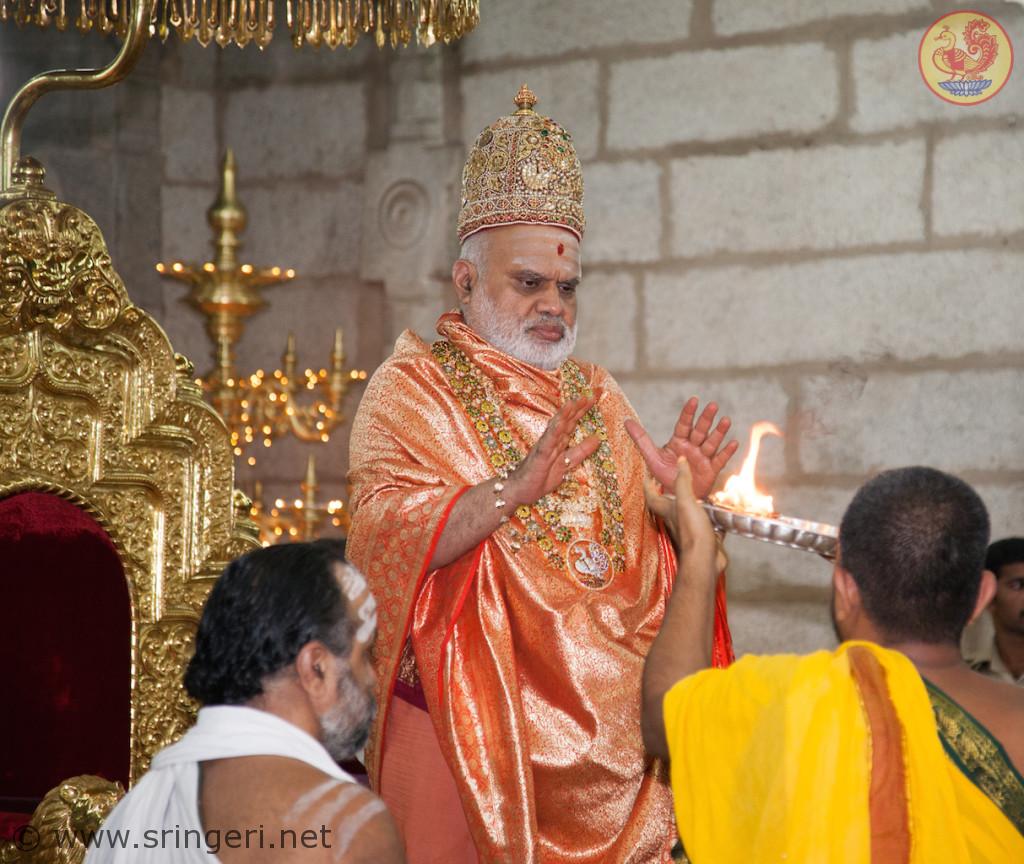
(561, 248)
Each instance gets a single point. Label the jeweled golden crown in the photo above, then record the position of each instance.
(522, 169)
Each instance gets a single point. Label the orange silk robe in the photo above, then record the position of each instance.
(532, 679)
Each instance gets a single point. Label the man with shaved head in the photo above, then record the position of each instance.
(498, 514)
(282, 669)
(889, 748)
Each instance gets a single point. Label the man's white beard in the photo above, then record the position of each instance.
(345, 726)
(507, 333)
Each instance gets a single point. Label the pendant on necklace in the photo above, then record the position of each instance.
(589, 563)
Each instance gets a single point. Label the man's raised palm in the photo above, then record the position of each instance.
(697, 442)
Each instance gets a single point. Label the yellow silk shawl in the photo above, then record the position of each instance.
(777, 759)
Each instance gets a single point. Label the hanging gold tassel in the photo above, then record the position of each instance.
(312, 22)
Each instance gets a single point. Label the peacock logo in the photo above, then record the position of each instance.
(965, 57)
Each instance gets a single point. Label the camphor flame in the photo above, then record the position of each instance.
(741, 492)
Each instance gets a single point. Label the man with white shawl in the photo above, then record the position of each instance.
(282, 670)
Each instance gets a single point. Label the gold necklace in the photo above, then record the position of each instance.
(592, 562)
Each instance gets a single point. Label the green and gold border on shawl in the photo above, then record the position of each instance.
(979, 756)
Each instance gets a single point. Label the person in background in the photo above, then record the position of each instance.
(1005, 656)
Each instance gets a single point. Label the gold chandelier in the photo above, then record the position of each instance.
(255, 406)
(311, 22)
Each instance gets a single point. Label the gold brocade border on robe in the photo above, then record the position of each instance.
(431, 515)
(978, 755)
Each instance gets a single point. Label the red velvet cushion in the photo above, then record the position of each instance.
(10, 823)
(66, 648)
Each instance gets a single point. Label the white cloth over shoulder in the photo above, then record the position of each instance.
(150, 823)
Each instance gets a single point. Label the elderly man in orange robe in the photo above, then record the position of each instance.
(498, 511)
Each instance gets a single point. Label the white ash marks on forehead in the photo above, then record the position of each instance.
(361, 600)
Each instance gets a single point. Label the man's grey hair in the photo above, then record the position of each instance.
(474, 250)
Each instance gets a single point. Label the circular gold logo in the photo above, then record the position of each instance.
(965, 57)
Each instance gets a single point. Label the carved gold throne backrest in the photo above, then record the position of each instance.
(95, 407)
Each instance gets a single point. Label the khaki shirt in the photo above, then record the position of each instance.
(991, 663)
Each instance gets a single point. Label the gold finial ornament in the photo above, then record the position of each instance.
(29, 177)
(525, 99)
(522, 170)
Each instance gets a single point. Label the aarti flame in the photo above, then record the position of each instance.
(741, 492)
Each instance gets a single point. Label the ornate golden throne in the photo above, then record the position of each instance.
(117, 510)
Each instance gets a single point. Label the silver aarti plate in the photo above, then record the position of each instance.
(816, 537)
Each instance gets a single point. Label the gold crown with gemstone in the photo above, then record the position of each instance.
(522, 169)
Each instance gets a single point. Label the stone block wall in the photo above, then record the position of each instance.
(784, 219)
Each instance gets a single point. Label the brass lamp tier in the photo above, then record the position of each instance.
(227, 293)
(305, 518)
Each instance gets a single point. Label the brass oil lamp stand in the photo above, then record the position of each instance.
(255, 406)
(304, 518)
(259, 408)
